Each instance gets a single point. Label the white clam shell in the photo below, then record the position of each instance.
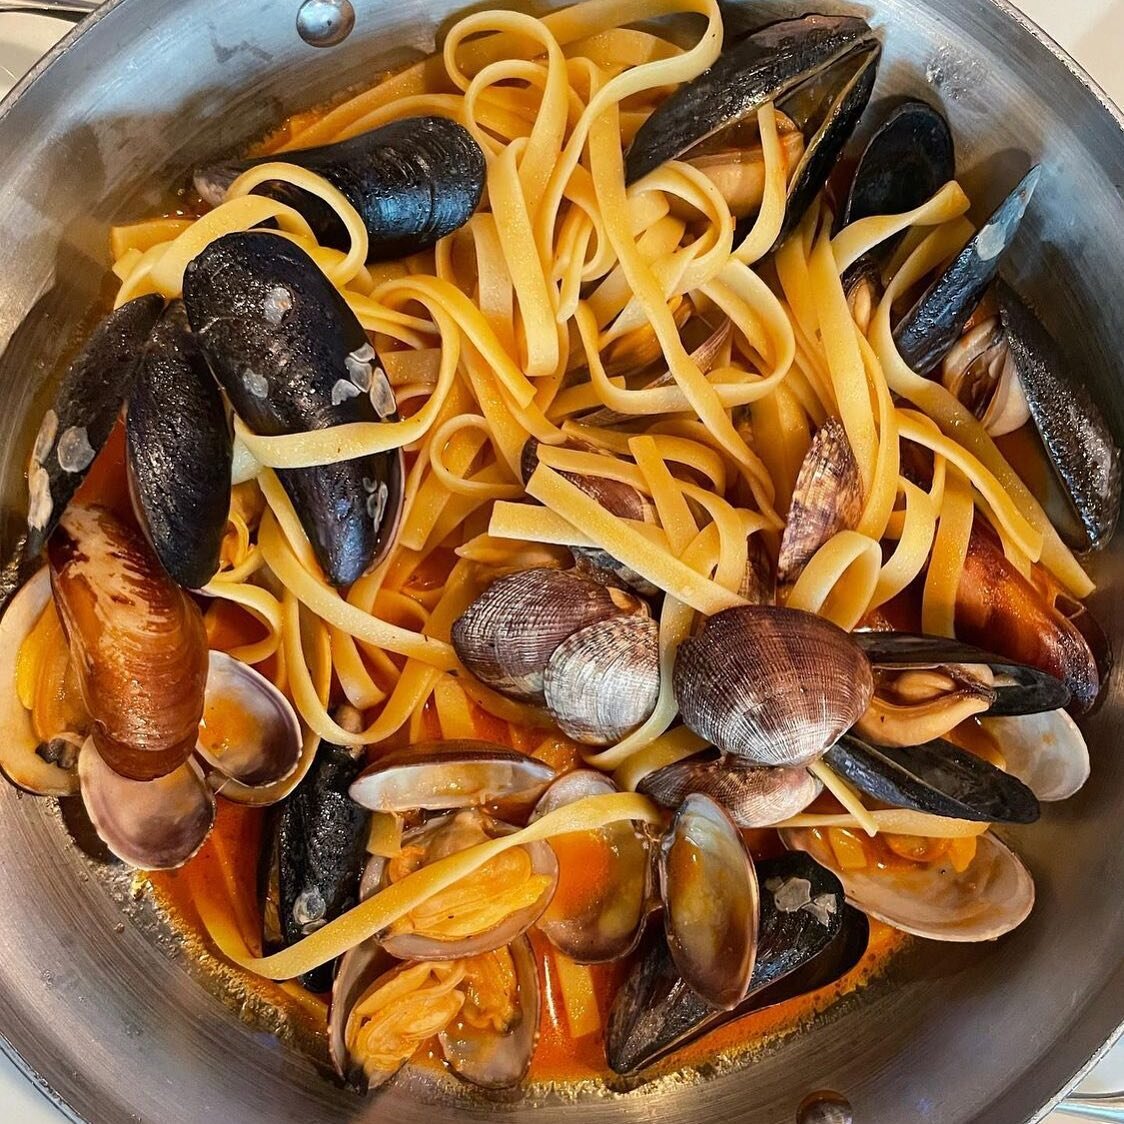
(1046, 751)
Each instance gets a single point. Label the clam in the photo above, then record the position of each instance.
(292, 357)
(935, 777)
(604, 879)
(153, 825)
(603, 681)
(488, 909)
(441, 776)
(992, 896)
(753, 795)
(83, 414)
(357, 969)
(137, 642)
(771, 686)
(412, 181)
(827, 498)
(710, 896)
(1045, 751)
(802, 918)
(508, 634)
(759, 583)
(179, 452)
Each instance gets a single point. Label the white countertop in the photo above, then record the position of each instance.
(1091, 30)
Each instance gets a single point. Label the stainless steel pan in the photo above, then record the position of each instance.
(108, 1017)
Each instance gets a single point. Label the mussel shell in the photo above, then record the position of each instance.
(19, 760)
(1030, 691)
(412, 181)
(770, 685)
(1077, 438)
(179, 450)
(85, 409)
(152, 825)
(250, 731)
(493, 1059)
(136, 639)
(935, 777)
(709, 889)
(292, 357)
(754, 795)
(603, 681)
(615, 905)
(909, 158)
(937, 320)
(992, 897)
(760, 68)
(441, 776)
(508, 634)
(1045, 751)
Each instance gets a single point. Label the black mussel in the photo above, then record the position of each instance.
(935, 777)
(907, 161)
(179, 449)
(1019, 688)
(292, 357)
(802, 917)
(412, 182)
(87, 404)
(926, 333)
(314, 855)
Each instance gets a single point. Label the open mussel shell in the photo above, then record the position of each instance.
(440, 776)
(993, 896)
(926, 333)
(1019, 688)
(488, 1056)
(508, 634)
(1046, 751)
(179, 452)
(603, 682)
(412, 181)
(1074, 432)
(604, 879)
(709, 889)
(772, 686)
(802, 919)
(152, 825)
(250, 731)
(136, 639)
(935, 777)
(754, 795)
(292, 357)
(20, 760)
(83, 414)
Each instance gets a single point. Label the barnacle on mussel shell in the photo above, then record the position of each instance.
(412, 181)
(292, 357)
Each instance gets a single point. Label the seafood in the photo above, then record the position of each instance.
(771, 686)
(137, 643)
(508, 634)
(84, 411)
(1046, 751)
(292, 357)
(412, 181)
(179, 452)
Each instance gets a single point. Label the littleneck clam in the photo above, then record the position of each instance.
(598, 910)
(152, 825)
(1046, 751)
(442, 776)
(357, 969)
(179, 452)
(771, 686)
(412, 181)
(603, 681)
(992, 896)
(293, 357)
(137, 642)
(83, 414)
(508, 634)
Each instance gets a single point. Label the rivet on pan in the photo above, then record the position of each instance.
(324, 23)
(825, 1107)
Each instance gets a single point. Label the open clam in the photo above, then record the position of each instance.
(1046, 751)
